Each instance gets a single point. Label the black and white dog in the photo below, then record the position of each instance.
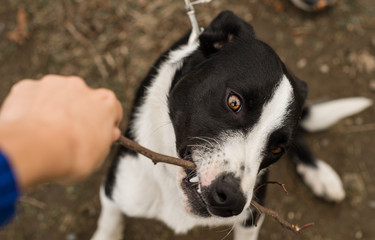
(228, 103)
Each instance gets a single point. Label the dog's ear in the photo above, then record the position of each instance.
(225, 28)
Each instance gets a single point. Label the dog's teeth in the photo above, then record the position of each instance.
(194, 179)
(199, 190)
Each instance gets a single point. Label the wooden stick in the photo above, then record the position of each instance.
(157, 158)
(272, 182)
(275, 215)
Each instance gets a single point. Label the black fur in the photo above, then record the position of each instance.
(120, 150)
(250, 61)
(229, 60)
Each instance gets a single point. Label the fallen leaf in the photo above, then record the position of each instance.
(20, 33)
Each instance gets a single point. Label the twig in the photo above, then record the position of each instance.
(272, 182)
(20, 33)
(92, 51)
(32, 201)
(156, 158)
(275, 215)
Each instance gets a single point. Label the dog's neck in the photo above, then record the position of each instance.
(155, 117)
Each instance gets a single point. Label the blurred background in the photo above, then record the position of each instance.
(112, 44)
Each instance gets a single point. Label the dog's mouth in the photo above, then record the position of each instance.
(192, 188)
(213, 194)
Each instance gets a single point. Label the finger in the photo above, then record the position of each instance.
(24, 84)
(116, 134)
(119, 113)
(71, 81)
(114, 106)
(77, 81)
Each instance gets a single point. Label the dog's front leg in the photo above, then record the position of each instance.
(248, 231)
(318, 175)
(111, 220)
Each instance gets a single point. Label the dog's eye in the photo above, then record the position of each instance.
(234, 102)
(277, 150)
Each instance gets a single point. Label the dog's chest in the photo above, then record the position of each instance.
(151, 191)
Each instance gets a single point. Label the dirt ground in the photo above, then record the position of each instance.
(113, 43)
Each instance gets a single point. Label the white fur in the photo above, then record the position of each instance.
(146, 190)
(272, 117)
(110, 223)
(323, 180)
(247, 150)
(324, 115)
(248, 233)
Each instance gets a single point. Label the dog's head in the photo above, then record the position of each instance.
(234, 108)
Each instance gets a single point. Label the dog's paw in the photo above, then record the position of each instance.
(323, 180)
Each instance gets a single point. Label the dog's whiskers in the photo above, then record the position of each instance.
(199, 146)
(213, 139)
(192, 175)
(158, 128)
(253, 220)
(203, 139)
(221, 229)
(229, 232)
(188, 156)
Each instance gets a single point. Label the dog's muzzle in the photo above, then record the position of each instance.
(224, 196)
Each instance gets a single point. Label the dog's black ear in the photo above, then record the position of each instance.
(225, 28)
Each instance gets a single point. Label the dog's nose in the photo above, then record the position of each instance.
(225, 197)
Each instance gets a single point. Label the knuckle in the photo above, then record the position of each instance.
(76, 81)
(76, 78)
(22, 85)
(111, 96)
(73, 81)
(50, 78)
(107, 95)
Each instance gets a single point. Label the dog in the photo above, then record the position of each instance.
(227, 103)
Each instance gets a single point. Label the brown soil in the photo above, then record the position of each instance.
(113, 43)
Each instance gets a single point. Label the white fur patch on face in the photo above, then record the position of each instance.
(273, 116)
(239, 153)
(323, 180)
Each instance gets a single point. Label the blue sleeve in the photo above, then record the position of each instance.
(9, 191)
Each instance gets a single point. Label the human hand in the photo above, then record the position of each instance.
(57, 128)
